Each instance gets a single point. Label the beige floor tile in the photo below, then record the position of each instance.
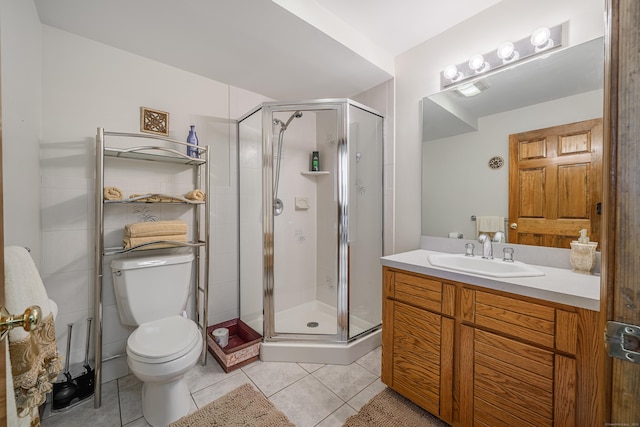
(200, 377)
(345, 380)
(360, 399)
(131, 403)
(372, 361)
(306, 402)
(338, 417)
(311, 367)
(108, 415)
(271, 377)
(219, 389)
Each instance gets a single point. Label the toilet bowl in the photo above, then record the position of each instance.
(151, 292)
(159, 354)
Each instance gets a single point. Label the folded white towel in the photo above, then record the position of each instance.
(489, 224)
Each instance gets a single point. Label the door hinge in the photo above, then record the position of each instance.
(623, 341)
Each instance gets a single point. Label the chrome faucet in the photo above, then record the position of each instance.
(487, 247)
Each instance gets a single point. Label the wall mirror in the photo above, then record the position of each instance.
(463, 136)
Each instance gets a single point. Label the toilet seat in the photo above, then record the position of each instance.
(163, 340)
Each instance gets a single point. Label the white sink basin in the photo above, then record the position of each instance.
(485, 267)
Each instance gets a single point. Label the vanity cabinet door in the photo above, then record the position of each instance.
(422, 358)
(417, 344)
(505, 383)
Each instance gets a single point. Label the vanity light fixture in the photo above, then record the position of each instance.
(508, 53)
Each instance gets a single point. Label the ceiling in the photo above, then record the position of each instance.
(260, 45)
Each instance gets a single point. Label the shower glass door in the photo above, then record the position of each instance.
(305, 231)
(250, 220)
(365, 143)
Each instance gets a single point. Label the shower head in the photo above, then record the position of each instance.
(283, 126)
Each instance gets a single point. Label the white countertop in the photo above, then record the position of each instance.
(557, 285)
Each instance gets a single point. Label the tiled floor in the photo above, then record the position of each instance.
(308, 394)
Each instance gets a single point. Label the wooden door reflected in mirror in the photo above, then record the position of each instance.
(555, 184)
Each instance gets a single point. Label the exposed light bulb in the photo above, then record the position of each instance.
(478, 64)
(451, 73)
(541, 39)
(507, 52)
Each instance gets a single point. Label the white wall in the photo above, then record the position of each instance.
(417, 76)
(20, 47)
(88, 85)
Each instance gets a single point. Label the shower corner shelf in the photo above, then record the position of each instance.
(314, 173)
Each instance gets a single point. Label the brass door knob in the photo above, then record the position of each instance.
(29, 320)
(513, 226)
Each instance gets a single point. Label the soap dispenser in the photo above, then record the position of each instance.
(583, 254)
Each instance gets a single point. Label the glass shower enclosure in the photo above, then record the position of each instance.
(310, 211)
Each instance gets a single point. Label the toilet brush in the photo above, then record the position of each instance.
(85, 381)
(65, 391)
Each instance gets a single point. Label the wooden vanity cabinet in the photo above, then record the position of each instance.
(418, 340)
(478, 357)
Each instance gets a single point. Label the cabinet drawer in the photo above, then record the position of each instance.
(526, 320)
(418, 291)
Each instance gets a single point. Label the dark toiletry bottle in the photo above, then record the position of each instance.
(192, 139)
(315, 161)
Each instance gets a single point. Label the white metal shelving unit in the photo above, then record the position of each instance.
(163, 150)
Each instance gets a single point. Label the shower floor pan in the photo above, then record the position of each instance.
(295, 321)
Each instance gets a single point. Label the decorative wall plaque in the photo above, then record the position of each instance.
(154, 121)
(496, 162)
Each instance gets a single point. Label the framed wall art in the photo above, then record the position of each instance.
(154, 121)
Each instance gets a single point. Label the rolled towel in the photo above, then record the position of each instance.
(111, 193)
(197, 195)
(156, 228)
(130, 242)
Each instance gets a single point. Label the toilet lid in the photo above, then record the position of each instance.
(164, 339)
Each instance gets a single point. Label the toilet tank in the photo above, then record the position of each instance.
(151, 288)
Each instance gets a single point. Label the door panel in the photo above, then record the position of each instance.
(555, 184)
(621, 266)
(3, 349)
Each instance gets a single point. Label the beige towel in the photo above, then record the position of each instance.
(35, 362)
(112, 193)
(152, 198)
(156, 228)
(165, 198)
(197, 195)
(489, 225)
(130, 242)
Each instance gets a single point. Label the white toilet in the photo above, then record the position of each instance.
(151, 292)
